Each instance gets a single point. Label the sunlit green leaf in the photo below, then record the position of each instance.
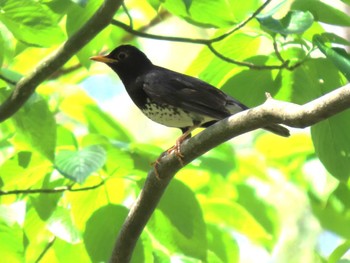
(208, 13)
(298, 144)
(45, 205)
(65, 137)
(179, 212)
(330, 139)
(101, 231)
(331, 217)
(80, 2)
(36, 233)
(31, 22)
(78, 165)
(76, 18)
(322, 12)
(339, 57)
(24, 169)
(334, 38)
(238, 218)
(339, 252)
(11, 243)
(13, 76)
(295, 22)
(101, 122)
(36, 127)
(212, 69)
(222, 244)
(61, 225)
(67, 252)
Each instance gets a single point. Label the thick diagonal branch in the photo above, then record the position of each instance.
(26, 86)
(272, 111)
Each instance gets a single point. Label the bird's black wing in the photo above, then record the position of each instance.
(188, 93)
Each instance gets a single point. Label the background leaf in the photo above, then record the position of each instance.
(78, 165)
(295, 22)
(31, 22)
(36, 127)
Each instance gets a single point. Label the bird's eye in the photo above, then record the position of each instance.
(122, 55)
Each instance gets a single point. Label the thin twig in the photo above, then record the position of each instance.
(126, 10)
(51, 191)
(245, 64)
(47, 247)
(9, 81)
(243, 23)
(277, 52)
(207, 42)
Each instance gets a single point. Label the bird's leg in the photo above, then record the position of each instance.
(176, 148)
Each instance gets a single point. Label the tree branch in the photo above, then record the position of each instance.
(272, 111)
(26, 86)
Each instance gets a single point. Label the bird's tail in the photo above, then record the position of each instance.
(277, 129)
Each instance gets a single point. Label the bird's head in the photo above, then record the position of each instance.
(125, 59)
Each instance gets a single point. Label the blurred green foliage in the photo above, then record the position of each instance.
(264, 194)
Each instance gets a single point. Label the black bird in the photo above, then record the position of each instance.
(171, 98)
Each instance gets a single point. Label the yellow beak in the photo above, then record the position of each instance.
(104, 59)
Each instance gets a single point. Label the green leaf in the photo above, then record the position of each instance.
(331, 217)
(222, 244)
(44, 204)
(284, 149)
(76, 18)
(11, 233)
(101, 122)
(61, 225)
(178, 222)
(65, 137)
(36, 127)
(207, 13)
(13, 213)
(6, 45)
(101, 231)
(339, 252)
(11, 243)
(31, 22)
(10, 74)
(82, 3)
(339, 57)
(187, 3)
(155, 4)
(237, 217)
(36, 233)
(322, 12)
(331, 139)
(24, 169)
(62, 251)
(264, 214)
(240, 87)
(220, 160)
(212, 69)
(78, 165)
(295, 22)
(333, 38)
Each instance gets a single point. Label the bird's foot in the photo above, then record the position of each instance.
(155, 164)
(177, 151)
